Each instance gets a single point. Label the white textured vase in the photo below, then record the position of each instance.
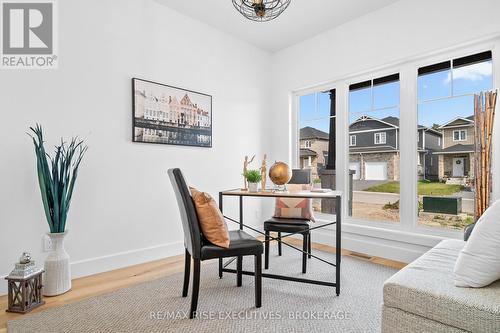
(57, 276)
(253, 187)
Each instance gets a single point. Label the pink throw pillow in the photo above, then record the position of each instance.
(294, 208)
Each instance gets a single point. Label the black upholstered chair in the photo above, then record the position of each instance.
(279, 225)
(198, 248)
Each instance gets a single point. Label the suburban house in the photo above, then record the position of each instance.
(456, 162)
(429, 140)
(313, 149)
(374, 149)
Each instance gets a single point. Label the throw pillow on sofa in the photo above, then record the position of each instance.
(478, 264)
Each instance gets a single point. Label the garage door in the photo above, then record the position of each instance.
(376, 170)
(355, 167)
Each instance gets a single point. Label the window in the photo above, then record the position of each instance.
(444, 124)
(460, 135)
(380, 138)
(446, 109)
(373, 149)
(314, 143)
(352, 140)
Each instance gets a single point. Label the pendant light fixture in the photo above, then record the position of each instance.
(261, 10)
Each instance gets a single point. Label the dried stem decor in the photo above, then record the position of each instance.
(484, 113)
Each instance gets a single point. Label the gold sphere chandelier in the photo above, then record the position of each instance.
(261, 10)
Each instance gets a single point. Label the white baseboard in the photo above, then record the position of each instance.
(378, 247)
(124, 259)
(114, 261)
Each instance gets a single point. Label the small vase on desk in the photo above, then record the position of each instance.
(253, 187)
(57, 276)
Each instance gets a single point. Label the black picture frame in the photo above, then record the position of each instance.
(171, 128)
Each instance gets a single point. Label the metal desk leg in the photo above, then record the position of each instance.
(239, 260)
(338, 245)
(241, 213)
(221, 262)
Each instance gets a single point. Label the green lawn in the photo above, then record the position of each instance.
(424, 188)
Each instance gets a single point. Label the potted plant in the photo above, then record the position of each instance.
(56, 178)
(253, 178)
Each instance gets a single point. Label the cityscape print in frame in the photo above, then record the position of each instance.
(168, 115)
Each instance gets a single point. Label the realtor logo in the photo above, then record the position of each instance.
(28, 31)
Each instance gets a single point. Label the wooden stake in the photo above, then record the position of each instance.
(484, 115)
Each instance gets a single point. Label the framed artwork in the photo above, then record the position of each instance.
(168, 115)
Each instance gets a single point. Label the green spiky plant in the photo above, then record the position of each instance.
(253, 176)
(57, 176)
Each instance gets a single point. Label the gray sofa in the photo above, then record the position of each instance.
(422, 297)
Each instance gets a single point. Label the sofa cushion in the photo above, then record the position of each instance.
(426, 288)
(397, 321)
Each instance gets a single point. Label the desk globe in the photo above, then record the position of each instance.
(280, 174)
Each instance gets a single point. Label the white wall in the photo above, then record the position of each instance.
(123, 210)
(400, 31)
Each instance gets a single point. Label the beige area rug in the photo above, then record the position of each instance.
(157, 306)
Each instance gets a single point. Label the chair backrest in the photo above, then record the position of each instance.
(190, 224)
(300, 176)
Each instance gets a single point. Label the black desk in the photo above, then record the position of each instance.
(332, 195)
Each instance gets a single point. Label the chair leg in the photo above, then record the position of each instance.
(309, 245)
(258, 280)
(196, 288)
(279, 243)
(266, 250)
(187, 271)
(239, 268)
(304, 254)
(221, 262)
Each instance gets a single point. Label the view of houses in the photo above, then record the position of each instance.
(445, 165)
(445, 152)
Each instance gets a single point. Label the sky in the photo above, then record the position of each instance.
(442, 96)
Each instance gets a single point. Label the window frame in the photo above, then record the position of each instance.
(460, 135)
(381, 135)
(351, 143)
(307, 144)
(408, 228)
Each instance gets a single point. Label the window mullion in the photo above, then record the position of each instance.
(408, 147)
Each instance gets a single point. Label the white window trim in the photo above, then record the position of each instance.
(407, 68)
(459, 135)
(352, 143)
(307, 144)
(381, 135)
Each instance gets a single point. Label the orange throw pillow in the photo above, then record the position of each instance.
(212, 223)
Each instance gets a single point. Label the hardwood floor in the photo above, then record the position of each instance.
(102, 283)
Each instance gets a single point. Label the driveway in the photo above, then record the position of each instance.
(360, 185)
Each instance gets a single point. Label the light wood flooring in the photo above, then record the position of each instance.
(102, 283)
